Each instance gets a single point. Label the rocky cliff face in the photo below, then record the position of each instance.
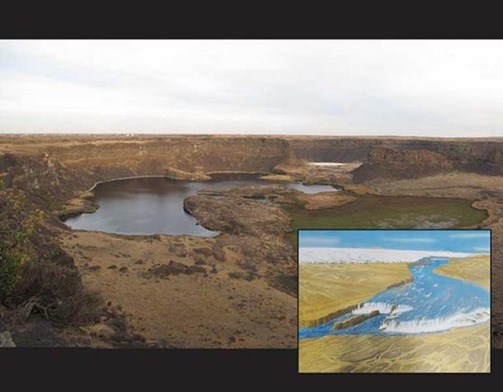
(56, 171)
(484, 157)
(383, 156)
(183, 153)
(333, 149)
(385, 162)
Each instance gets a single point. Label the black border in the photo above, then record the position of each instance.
(245, 20)
(406, 373)
(97, 369)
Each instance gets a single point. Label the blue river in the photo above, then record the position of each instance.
(431, 303)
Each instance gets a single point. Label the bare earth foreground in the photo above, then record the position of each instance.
(177, 307)
(458, 350)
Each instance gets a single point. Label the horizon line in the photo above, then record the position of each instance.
(130, 134)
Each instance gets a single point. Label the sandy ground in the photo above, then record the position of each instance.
(460, 350)
(186, 310)
(326, 288)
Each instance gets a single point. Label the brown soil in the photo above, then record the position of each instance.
(159, 283)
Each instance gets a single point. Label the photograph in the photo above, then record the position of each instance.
(151, 191)
(394, 301)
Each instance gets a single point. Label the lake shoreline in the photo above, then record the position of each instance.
(163, 202)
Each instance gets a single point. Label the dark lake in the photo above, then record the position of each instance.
(155, 205)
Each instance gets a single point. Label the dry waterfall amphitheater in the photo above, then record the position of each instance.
(237, 289)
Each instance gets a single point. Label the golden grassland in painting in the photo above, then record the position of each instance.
(324, 288)
(475, 269)
(327, 288)
(459, 350)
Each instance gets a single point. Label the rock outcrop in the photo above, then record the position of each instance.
(237, 215)
(57, 171)
(355, 320)
(484, 156)
(386, 162)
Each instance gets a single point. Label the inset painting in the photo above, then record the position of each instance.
(411, 301)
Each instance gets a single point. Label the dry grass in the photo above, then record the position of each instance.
(463, 185)
(473, 269)
(326, 288)
(184, 310)
(56, 292)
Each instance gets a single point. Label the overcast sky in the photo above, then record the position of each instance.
(349, 87)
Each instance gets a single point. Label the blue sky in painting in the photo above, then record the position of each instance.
(476, 241)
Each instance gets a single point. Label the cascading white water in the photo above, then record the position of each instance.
(477, 316)
(430, 303)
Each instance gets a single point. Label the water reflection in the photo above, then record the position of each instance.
(155, 205)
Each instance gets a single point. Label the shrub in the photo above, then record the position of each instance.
(56, 292)
(36, 275)
(11, 262)
(16, 227)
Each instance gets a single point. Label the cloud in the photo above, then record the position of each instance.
(483, 234)
(411, 239)
(426, 88)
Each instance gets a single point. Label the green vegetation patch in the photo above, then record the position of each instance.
(389, 212)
